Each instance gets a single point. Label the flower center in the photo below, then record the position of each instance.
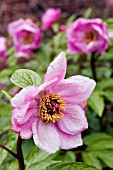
(89, 36)
(51, 108)
(28, 38)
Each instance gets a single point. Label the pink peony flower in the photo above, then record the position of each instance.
(63, 28)
(54, 112)
(49, 17)
(87, 35)
(26, 36)
(111, 2)
(14, 91)
(3, 46)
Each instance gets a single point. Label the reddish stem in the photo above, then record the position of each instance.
(8, 150)
(20, 154)
(93, 66)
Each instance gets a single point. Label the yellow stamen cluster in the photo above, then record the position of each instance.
(51, 108)
(89, 36)
(28, 38)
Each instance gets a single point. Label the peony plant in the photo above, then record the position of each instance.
(53, 113)
(62, 120)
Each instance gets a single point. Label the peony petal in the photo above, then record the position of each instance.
(25, 130)
(24, 113)
(74, 120)
(26, 133)
(70, 141)
(75, 89)
(28, 93)
(25, 94)
(56, 69)
(49, 17)
(13, 25)
(46, 137)
(20, 113)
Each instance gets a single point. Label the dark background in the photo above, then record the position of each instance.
(13, 9)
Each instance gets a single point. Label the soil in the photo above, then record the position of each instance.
(11, 10)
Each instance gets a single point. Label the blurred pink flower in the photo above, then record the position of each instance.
(110, 34)
(49, 17)
(63, 28)
(26, 36)
(14, 91)
(54, 112)
(111, 2)
(3, 46)
(87, 35)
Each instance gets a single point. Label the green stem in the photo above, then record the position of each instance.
(20, 155)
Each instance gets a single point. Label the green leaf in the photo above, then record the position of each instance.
(93, 120)
(5, 73)
(10, 51)
(108, 95)
(9, 96)
(94, 137)
(41, 165)
(100, 149)
(9, 142)
(105, 84)
(65, 156)
(90, 159)
(96, 102)
(71, 166)
(12, 60)
(98, 141)
(60, 37)
(93, 158)
(70, 19)
(102, 144)
(87, 13)
(25, 77)
(5, 116)
(27, 150)
(106, 157)
(55, 27)
(31, 159)
(11, 164)
(43, 159)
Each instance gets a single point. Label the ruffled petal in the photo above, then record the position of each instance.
(26, 133)
(74, 120)
(70, 141)
(25, 130)
(46, 136)
(23, 113)
(20, 113)
(29, 92)
(56, 69)
(75, 89)
(24, 95)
